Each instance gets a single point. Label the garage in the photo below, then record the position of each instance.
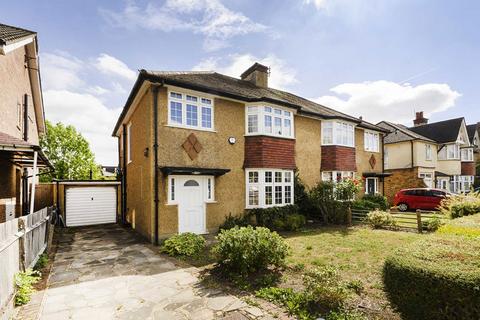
(90, 203)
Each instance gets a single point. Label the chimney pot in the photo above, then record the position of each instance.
(419, 119)
(256, 74)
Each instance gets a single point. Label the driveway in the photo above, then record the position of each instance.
(107, 272)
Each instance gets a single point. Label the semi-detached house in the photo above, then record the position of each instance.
(435, 155)
(195, 147)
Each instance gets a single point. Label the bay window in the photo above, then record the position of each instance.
(270, 121)
(269, 187)
(372, 141)
(467, 154)
(338, 133)
(190, 111)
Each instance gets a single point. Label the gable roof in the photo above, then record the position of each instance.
(442, 132)
(471, 130)
(400, 133)
(234, 88)
(11, 34)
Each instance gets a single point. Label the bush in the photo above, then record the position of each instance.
(24, 282)
(435, 278)
(302, 199)
(460, 205)
(380, 219)
(185, 244)
(433, 224)
(294, 222)
(41, 262)
(371, 202)
(246, 250)
(294, 302)
(266, 217)
(233, 221)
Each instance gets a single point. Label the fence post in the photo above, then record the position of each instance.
(419, 221)
(21, 244)
(349, 216)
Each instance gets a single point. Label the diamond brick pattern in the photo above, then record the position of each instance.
(372, 161)
(192, 146)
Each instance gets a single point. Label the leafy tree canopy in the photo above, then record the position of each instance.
(69, 153)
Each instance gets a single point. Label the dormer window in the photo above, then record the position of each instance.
(271, 121)
(190, 111)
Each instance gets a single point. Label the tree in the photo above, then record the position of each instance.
(69, 153)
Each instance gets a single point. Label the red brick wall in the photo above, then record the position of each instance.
(468, 168)
(269, 152)
(401, 179)
(338, 158)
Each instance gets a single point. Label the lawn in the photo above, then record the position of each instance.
(358, 253)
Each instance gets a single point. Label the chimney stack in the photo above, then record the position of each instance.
(257, 74)
(419, 119)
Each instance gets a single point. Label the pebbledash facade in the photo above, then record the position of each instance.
(195, 147)
(436, 155)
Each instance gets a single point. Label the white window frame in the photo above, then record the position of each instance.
(371, 141)
(427, 176)
(428, 152)
(343, 174)
(468, 157)
(129, 149)
(261, 111)
(456, 151)
(335, 127)
(199, 103)
(375, 179)
(262, 184)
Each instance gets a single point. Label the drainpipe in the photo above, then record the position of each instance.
(155, 150)
(124, 176)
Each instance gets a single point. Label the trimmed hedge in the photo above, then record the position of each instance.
(436, 278)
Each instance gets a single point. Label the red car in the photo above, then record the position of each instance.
(420, 198)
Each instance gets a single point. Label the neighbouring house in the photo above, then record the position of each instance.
(474, 136)
(428, 155)
(22, 120)
(195, 147)
(109, 172)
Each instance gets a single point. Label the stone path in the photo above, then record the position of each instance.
(107, 272)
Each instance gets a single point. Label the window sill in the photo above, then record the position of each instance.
(371, 151)
(337, 145)
(189, 128)
(267, 135)
(267, 206)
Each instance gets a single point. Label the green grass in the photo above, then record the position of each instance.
(358, 252)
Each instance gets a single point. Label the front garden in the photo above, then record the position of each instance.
(330, 270)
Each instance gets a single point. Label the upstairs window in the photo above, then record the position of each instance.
(190, 111)
(338, 133)
(467, 154)
(269, 121)
(428, 152)
(372, 141)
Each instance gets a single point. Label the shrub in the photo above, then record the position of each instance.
(294, 222)
(323, 288)
(433, 223)
(460, 205)
(380, 219)
(302, 198)
(233, 221)
(371, 202)
(435, 278)
(294, 302)
(266, 217)
(246, 250)
(41, 262)
(185, 244)
(24, 282)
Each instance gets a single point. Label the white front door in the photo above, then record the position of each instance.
(191, 205)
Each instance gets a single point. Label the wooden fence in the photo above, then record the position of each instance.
(22, 241)
(416, 221)
(44, 195)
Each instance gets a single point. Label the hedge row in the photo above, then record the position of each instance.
(435, 278)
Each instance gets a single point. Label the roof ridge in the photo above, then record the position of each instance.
(22, 29)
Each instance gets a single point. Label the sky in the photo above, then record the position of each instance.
(380, 59)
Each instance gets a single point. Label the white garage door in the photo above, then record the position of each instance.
(90, 205)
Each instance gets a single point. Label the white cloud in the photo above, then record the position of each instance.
(209, 18)
(281, 75)
(386, 100)
(75, 95)
(112, 66)
(319, 4)
(89, 116)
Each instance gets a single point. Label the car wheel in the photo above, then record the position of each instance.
(402, 207)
